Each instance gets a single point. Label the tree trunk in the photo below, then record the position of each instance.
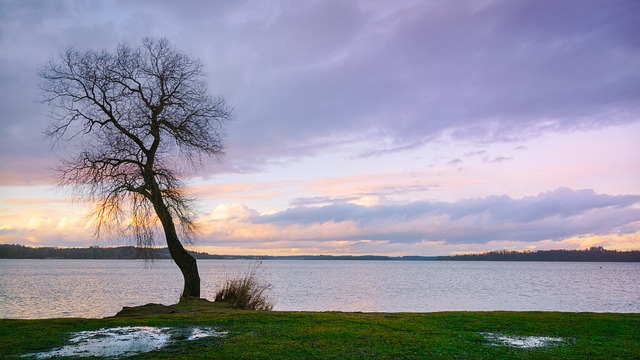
(187, 263)
(181, 257)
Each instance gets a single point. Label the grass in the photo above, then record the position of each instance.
(335, 335)
(247, 292)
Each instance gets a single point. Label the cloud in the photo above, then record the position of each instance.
(553, 215)
(7, 231)
(475, 153)
(367, 78)
(321, 200)
(367, 87)
(563, 218)
(229, 212)
(497, 159)
(455, 162)
(512, 72)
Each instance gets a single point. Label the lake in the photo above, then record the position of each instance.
(34, 289)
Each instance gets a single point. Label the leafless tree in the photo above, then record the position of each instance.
(134, 121)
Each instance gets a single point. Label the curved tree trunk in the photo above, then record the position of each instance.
(187, 263)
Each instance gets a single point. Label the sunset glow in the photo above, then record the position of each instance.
(401, 128)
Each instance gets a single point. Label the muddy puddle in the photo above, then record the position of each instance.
(521, 342)
(125, 341)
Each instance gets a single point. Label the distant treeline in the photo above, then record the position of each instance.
(349, 257)
(594, 254)
(132, 252)
(93, 252)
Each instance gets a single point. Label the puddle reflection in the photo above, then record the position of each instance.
(521, 342)
(125, 341)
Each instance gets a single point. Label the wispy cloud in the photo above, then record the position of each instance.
(496, 159)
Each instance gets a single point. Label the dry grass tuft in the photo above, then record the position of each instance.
(248, 292)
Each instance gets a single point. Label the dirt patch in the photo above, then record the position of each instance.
(155, 309)
(185, 306)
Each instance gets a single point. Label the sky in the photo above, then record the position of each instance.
(363, 127)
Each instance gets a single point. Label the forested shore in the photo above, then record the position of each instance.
(10, 251)
(594, 254)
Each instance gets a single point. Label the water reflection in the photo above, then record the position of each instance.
(124, 341)
(98, 288)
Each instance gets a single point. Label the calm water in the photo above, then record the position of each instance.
(98, 288)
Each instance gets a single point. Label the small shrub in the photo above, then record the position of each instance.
(247, 292)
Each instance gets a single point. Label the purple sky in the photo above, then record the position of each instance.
(365, 127)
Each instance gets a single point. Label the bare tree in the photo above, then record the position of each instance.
(135, 120)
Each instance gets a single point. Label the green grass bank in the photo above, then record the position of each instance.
(335, 335)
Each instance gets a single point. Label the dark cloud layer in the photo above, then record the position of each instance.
(314, 76)
(553, 215)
